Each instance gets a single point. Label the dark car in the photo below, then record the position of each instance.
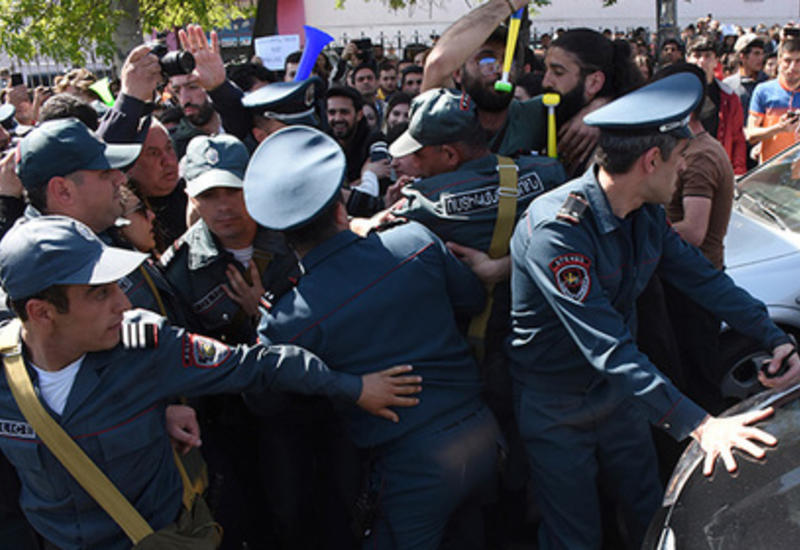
(756, 507)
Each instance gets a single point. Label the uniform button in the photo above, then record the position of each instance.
(226, 317)
(666, 425)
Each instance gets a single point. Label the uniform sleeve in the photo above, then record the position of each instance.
(121, 123)
(236, 119)
(183, 363)
(561, 262)
(685, 267)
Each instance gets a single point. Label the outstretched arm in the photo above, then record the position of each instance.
(462, 38)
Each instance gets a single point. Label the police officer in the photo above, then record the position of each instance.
(65, 170)
(220, 268)
(365, 302)
(282, 104)
(583, 392)
(104, 374)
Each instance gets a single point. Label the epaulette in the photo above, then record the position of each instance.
(573, 208)
(168, 255)
(281, 285)
(139, 335)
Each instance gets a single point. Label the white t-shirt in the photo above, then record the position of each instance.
(54, 386)
(242, 255)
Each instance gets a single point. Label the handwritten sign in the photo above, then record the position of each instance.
(273, 49)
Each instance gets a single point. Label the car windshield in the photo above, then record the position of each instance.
(772, 191)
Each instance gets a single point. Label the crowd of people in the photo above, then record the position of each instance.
(369, 298)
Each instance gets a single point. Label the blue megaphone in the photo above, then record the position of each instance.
(315, 41)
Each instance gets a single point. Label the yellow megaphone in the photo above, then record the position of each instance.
(103, 90)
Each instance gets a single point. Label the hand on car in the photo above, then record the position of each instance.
(791, 376)
(719, 436)
(389, 388)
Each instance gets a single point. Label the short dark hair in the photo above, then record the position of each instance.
(702, 43)
(56, 295)
(66, 105)
(293, 57)
(319, 229)
(617, 151)
(362, 66)
(346, 91)
(789, 45)
(387, 65)
(245, 75)
(412, 69)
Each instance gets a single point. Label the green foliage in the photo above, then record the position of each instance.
(67, 30)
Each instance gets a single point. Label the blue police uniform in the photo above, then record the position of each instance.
(580, 382)
(461, 206)
(115, 412)
(395, 291)
(583, 393)
(195, 266)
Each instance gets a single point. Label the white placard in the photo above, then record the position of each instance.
(273, 49)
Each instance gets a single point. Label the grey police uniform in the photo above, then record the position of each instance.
(386, 299)
(583, 392)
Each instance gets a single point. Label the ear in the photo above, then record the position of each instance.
(650, 159)
(359, 115)
(593, 83)
(60, 192)
(259, 134)
(457, 76)
(452, 156)
(40, 312)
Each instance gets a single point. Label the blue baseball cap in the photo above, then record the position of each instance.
(437, 117)
(40, 252)
(62, 146)
(309, 180)
(663, 106)
(218, 161)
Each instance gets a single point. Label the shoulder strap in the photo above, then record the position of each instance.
(501, 237)
(506, 207)
(72, 457)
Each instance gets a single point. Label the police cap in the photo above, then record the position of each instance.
(312, 168)
(40, 252)
(288, 102)
(663, 106)
(214, 161)
(437, 117)
(62, 146)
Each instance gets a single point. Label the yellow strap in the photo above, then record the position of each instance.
(71, 456)
(154, 290)
(501, 237)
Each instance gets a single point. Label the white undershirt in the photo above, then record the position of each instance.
(54, 386)
(242, 255)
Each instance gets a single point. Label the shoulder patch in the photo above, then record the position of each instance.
(16, 429)
(572, 276)
(573, 208)
(203, 352)
(139, 335)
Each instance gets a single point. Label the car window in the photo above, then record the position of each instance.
(772, 191)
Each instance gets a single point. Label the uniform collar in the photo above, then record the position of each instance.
(598, 202)
(204, 248)
(329, 247)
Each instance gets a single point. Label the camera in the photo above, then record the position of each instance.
(172, 63)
